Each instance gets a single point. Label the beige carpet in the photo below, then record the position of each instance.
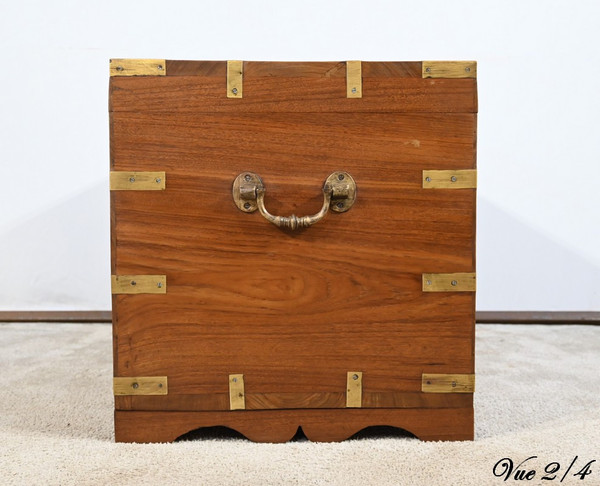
(538, 394)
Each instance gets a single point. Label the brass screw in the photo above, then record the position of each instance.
(453, 384)
(119, 68)
(428, 70)
(247, 177)
(160, 67)
(234, 91)
(160, 385)
(340, 205)
(247, 205)
(159, 285)
(135, 385)
(428, 179)
(354, 90)
(454, 283)
(133, 282)
(341, 177)
(234, 380)
(132, 179)
(158, 179)
(468, 69)
(355, 376)
(453, 178)
(428, 282)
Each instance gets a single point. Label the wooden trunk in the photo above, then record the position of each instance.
(222, 318)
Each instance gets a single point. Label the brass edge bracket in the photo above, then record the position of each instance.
(235, 73)
(449, 282)
(237, 398)
(139, 284)
(137, 181)
(353, 79)
(449, 69)
(140, 385)
(138, 67)
(444, 383)
(450, 179)
(354, 389)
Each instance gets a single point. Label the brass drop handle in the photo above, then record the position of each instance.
(339, 194)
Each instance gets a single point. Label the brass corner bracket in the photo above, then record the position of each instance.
(353, 79)
(237, 397)
(449, 69)
(235, 74)
(139, 284)
(449, 282)
(140, 385)
(447, 383)
(354, 389)
(138, 67)
(450, 179)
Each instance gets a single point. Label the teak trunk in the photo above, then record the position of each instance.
(364, 318)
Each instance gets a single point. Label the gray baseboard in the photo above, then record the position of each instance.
(55, 316)
(482, 317)
(537, 317)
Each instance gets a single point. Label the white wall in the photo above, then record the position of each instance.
(538, 152)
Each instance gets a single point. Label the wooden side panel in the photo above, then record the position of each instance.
(246, 297)
(282, 425)
(398, 69)
(273, 94)
(282, 401)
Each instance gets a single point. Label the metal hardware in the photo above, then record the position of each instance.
(449, 282)
(237, 399)
(353, 79)
(140, 385)
(137, 181)
(339, 194)
(138, 67)
(450, 179)
(444, 383)
(139, 284)
(449, 69)
(354, 389)
(235, 72)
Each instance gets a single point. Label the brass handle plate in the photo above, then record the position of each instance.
(339, 194)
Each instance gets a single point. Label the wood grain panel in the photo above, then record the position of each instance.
(137, 181)
(274, 94)
(294, 69)
(289, 401)
(282, 425)
(225, 266)
(377, 143)
(280, 358)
